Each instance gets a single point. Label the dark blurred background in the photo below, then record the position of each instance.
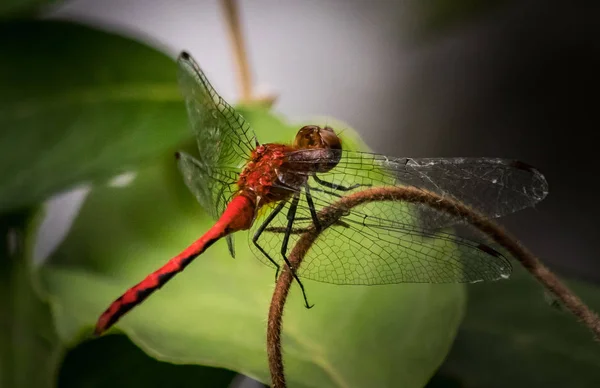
(512, 79)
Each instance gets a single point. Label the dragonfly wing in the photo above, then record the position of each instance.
(385, 247)
(225, 141)
(224, 138)
(383, 242)
(493, 187)
(212, 188)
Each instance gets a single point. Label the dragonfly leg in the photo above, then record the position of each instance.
(291, 216)
(334, 186)
(319, 190)
(262, 228)
(311, 206)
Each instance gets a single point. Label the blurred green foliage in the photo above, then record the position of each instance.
(511, 337)
(29, 347)
(12, 8)
(79, 105)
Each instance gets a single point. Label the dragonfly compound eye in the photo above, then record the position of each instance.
(308, 137)
(330, 138)
(313, 136)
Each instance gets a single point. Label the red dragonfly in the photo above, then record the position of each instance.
(277, 189)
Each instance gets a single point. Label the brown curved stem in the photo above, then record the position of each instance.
(282, 288)
(329, 216)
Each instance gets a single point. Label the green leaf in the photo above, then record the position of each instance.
(114, 361)
(18, 7)
(77, 104)
(511, 337)
(29, 348)
(214, 313)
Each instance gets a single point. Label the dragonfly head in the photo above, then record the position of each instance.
(313, 136)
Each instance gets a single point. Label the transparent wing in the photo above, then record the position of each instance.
(215, 186)
(224, 138)
(382, 243)
(393, 242)
(225, 141)
(493, 187)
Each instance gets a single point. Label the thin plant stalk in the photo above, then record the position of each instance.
(236, 36)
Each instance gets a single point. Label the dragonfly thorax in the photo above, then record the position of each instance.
(260, 177)
(274, 170)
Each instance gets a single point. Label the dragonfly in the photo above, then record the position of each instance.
(276, 190)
